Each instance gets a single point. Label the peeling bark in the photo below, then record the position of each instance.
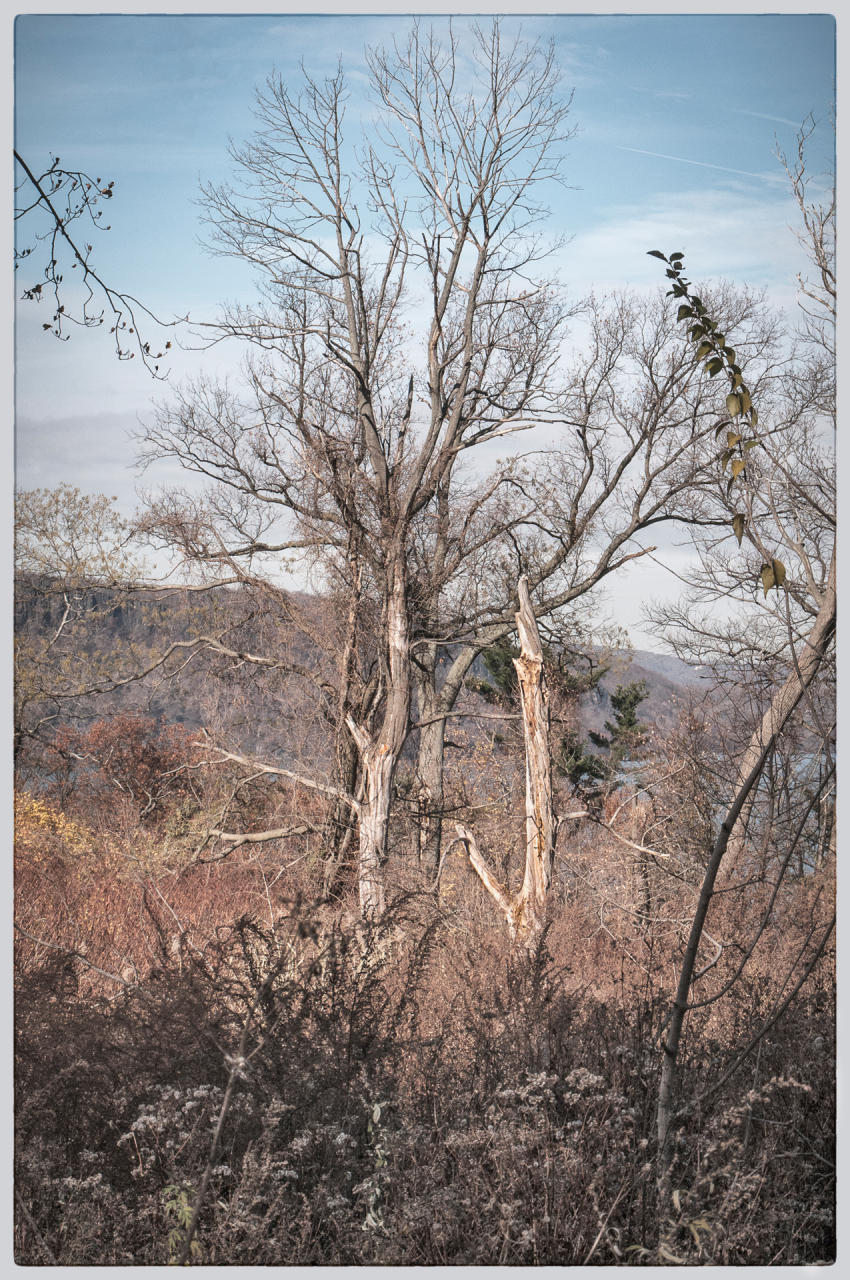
(380, 752)
(525, 911)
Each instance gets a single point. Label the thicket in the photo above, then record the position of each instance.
(411, 1092)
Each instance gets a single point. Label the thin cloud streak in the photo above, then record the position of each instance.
(703, 164)
(761, 115)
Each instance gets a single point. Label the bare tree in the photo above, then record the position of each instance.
(68, 545)
(635, 451)
(337, 431)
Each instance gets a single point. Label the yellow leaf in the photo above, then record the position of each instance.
(665, 1253)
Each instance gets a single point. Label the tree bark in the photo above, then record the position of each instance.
(380, 752)
(435, 703)
(431, 794)
(525, 911)
(773, 722)
(540, 822)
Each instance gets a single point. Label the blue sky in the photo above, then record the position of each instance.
(677, 118)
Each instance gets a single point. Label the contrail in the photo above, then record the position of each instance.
(701, 164)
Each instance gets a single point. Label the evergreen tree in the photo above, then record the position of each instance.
(625, 735)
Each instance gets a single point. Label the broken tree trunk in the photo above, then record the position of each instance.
(525, 911)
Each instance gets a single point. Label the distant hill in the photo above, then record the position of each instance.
(210, 692)
(667, 676)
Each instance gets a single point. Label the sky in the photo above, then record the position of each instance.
(677, 121)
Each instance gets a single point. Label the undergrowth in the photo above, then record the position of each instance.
(411, 1094)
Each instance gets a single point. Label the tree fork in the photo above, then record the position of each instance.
(525, 911)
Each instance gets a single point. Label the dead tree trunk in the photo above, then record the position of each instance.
(525, 911)
(380, 752)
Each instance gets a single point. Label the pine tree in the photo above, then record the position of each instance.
(625, 734)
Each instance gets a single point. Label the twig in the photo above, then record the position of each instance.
(34, 1229)
(614, 1204)
(77, 955)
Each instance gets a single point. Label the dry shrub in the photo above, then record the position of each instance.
(414, 1093)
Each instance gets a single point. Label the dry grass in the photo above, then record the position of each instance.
(416, 1095)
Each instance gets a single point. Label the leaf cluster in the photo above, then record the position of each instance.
(717, 357)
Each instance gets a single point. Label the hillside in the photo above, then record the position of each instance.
(205, 691)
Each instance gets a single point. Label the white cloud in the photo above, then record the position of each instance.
(732, 234)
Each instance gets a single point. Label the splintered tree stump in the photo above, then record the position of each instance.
(525, 911)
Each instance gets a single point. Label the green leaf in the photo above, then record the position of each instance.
(754, 418)
(696, 331)
(720, 340)
(724, 458)
(732, 438)
(746, 400)
(730, 355)
(752, 444)
(738, 523)
(733, 405)
(737, 381)
(676, 255)
(738, 465)
(683, 312)
(767, 578)
(719, 430)
(714, 366)
(673, 275)
(656, 253)
(704, 349)
(778, 572)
